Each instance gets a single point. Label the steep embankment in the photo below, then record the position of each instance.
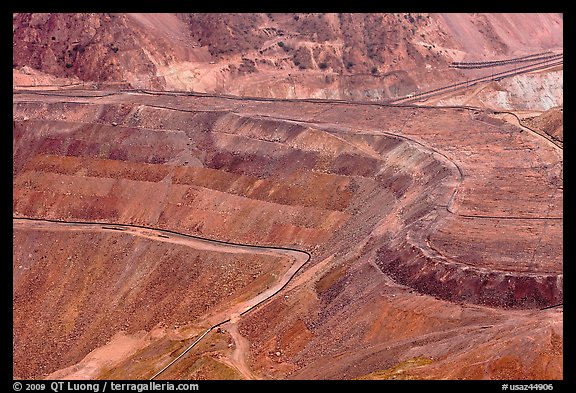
(358, 186)
(81, 285)
(209, 173)
(358, 56)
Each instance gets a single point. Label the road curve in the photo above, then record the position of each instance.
(299, 257)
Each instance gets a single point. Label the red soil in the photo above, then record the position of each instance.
(374, 192)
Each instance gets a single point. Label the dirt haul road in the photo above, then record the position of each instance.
(231, 315)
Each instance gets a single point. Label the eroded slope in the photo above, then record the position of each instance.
(372, 192)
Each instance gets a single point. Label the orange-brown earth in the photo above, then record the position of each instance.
(551, 122)
(110, 283)
(440, 242)
(435, 234)
(360, 56)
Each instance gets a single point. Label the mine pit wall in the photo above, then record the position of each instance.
(311, 189)
(455, 282)
(113, 283)
(334, 194)
(330, 192)
(407, 258)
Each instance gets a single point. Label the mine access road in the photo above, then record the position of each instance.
(299, 259)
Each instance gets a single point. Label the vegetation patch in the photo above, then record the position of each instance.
(399, 371)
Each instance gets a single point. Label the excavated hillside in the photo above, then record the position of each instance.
(404, 222)
(359, 56)
(550, 122)
(164, 213)
(114, 283)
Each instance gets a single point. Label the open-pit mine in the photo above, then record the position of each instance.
(287, 196)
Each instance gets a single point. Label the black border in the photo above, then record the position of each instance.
(356, 6)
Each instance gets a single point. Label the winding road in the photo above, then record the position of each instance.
(232, 314)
